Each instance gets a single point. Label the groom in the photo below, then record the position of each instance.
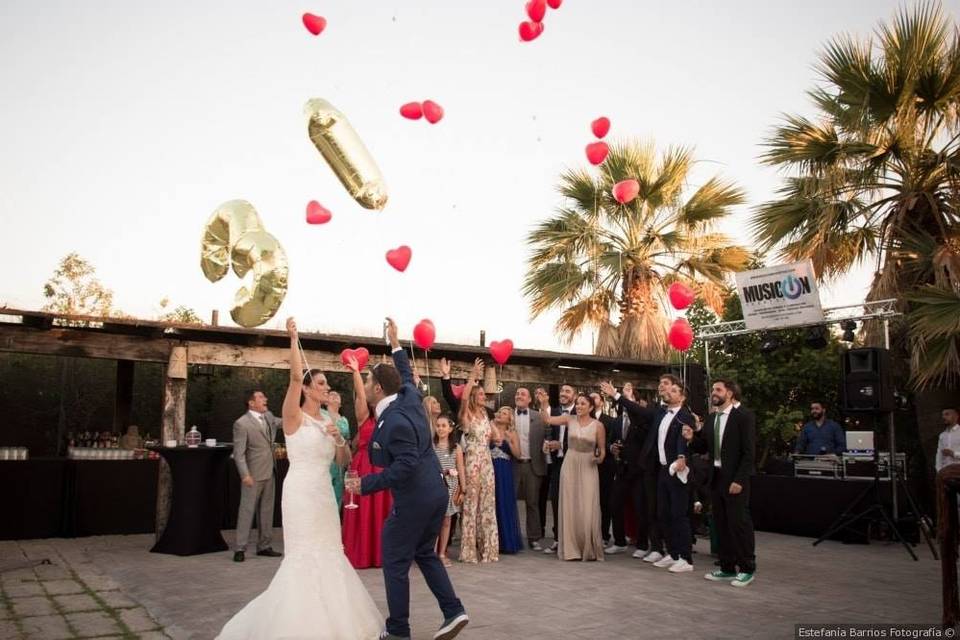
(402, 445)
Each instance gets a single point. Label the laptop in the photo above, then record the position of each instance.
(860, 442)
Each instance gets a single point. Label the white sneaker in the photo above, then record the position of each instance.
(653, 556)
(614, 549)
(551, 549)
(664, 562)
(680, 566)
(640, 554)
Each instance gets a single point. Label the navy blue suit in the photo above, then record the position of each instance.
(673, 496)
(402, 445)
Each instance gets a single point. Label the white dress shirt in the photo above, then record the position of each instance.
(721, 424)
(662, 434)
(383, 404)
(523, 428)
(949, 439)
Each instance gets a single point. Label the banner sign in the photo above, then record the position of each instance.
(780, 296)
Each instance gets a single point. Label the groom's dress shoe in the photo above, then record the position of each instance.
(269, 552)
(451, 627)
(238, 556)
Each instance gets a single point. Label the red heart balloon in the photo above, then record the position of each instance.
(536, 9)
(314, 24)
(680, 335)
(530, 30)
(457, 390)
(600, 126)
(424, 334)
(501, 351)
(432, 111)
(681, 295)
(412, 111)
(626, 190)
(361, 354)
(317, 213)
(597, 152)
(554, 4)
(399, 258)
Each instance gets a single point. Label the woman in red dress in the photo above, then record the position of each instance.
(363, 526)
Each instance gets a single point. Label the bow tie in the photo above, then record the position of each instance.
(521, 412)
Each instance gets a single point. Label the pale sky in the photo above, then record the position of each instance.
(124, 124)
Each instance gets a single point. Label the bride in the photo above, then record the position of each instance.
(315, 592)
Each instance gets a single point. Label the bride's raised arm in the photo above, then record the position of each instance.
(292, 416)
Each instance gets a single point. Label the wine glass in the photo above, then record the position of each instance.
(350, 476)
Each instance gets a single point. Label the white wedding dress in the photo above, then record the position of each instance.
(315, 593)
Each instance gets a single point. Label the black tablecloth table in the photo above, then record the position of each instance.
(31, 498)
(106, 497)
(196, 501)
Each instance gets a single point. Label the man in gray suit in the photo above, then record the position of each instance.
(530, 464)
(253, 435)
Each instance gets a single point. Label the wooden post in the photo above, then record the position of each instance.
(172, 426)
(124, 396)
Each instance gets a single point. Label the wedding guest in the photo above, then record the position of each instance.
(557, 447)
(611, 427)
(579, 503)
(637, 472)
(673, 487)
(363, 526)
(503, 451)
(451, 398)
(253, 436)
(334, 402)
(530, 464)
(948, 444)
(431, 407)
(450, 456)
(479, 537)
(730, 438)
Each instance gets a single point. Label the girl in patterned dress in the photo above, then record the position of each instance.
(480, 540)
(450, 456)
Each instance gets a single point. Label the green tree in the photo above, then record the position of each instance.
(181, 314)
(75, 290)
(874, 177)
(607, 265)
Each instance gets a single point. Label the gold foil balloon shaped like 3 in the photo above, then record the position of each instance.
(341, 146)
(234, 237)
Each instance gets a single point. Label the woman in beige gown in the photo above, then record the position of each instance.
(579, 510)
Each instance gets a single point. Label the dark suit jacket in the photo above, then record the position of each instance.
(633, 445)
(402, 445)
(611, 428)
(555, 435)
(674, 445)
(737, 450)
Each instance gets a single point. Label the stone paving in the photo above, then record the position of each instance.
(112, 587)
(68, 597)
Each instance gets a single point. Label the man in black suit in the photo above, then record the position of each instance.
(624, 447)
(729, 435)
(556, 444)
(611, 426)
(668, 443)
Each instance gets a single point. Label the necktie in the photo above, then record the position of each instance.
(716, 436)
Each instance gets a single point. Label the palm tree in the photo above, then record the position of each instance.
(874, 176)
(607, 264)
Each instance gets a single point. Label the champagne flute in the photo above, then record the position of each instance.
(350, 476)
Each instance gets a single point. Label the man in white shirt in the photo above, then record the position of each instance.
(948, 445)
(530, 464)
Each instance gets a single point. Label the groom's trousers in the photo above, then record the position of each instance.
(410, 534)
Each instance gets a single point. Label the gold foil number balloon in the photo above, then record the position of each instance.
(338, 143)
(234, 237)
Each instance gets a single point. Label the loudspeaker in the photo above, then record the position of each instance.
(866, 381)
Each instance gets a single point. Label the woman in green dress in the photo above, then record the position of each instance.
(336, 471)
